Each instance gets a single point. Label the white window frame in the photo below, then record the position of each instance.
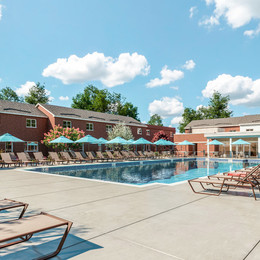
(139, 131)
(28, 143)
(109, 128)
(66, 122)
(89, 124)
(7, 145)
(148, 132)
(30, 123)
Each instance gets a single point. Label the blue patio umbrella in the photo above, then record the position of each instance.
(131, 141)
(6, 138)
(117, 140)
(215, 142)
(61, 140)
(88, 139)
(142, 141)
(161, 142)
(185, 142)
(170, 143)
(240, 141)
(102, 140)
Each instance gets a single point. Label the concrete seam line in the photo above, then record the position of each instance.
(251, 250)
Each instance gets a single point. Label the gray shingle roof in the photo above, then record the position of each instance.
(68, 112)
(221, 122)
(9, 107)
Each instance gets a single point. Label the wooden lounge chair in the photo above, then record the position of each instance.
(6, 204)
(102, 157)
(80, 157)
(6, 160)
(66, 156)
(118, 155)
(127, 155)
(92, 157)
(21, 230)
(220, 182)
(22, 157)
(55, 157)
(111, 156)
(39, 156)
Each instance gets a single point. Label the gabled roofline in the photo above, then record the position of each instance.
(38, 104)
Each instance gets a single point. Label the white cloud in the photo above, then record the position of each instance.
(24, 89)
(166, 106)
(175, 87)
(193, 10)
(176, 120)
(189, 65)
(167, 77)
(236, 12)
(252, 33)
(62, 98)
(96, 66)
(0, 80)
(241, 90)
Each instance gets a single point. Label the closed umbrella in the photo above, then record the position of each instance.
(8, 138)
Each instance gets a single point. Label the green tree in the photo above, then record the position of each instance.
(37, 94)
(217, 108)
(103, 101)
(155, 120)
(8, 94)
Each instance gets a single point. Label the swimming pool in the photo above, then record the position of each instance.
(145, 172)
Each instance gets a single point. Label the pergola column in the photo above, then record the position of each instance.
(258, 146)
(230, 147)
(208, 147)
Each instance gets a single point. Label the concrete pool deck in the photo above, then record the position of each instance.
(114, 221)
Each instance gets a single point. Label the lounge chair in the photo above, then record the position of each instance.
(102, 157)
(22, 157)
(80, 157)
(23, 229)
(6, 160)
(55, 158)
(111, 156)
(66, 156)
(127, 155)
(39, 156)
(6, 204)
(92, 157)
(220, 181)
(118, 155)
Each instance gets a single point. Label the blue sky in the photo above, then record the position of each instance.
(136, 48)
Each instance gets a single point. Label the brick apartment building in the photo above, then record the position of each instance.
(225, 130)
(29, 123)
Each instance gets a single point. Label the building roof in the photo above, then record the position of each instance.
(81, 114)
(17, 108)
(224, 122)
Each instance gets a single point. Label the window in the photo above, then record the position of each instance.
(8, 147)
(108, 128)
(31, 123)
(90, 127)
(232, 131)
(31, 146)
(66, 124)
(171, 134)
(147, 131)
(139, 131)
(249, 129)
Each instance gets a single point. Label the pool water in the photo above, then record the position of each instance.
(167, 171)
